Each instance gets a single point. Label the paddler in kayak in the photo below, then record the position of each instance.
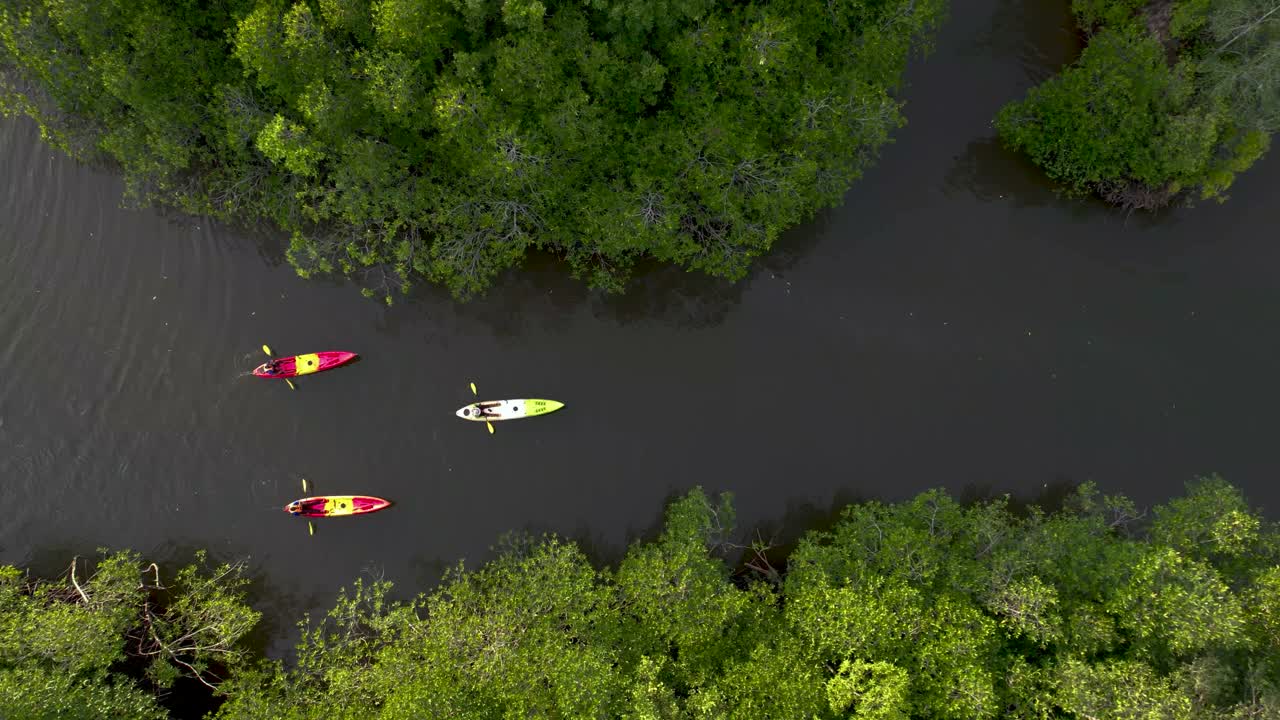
(297, 508)
(270, 368)
(482, 409)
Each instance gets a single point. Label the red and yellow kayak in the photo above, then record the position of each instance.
(336, 505)
(304, 364)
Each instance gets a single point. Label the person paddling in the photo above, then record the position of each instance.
(314, 507)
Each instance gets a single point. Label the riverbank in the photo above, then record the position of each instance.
(606, 134)
(1170, 100)
(924, 608)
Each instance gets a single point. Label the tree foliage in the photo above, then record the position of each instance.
(1241, 60)
(925, 609)
(106, 642)
(921, 609)
(1161, 104)
(446, 139)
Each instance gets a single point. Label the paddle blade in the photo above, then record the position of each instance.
(304, 486)
(311, 529)
(490, 426)
(473, 389)
(266, 350)
(290, 384)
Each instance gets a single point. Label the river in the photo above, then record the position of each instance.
(953, 324)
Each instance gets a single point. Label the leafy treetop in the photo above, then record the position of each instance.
(446, 139)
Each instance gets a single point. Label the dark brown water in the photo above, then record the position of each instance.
(953, 324)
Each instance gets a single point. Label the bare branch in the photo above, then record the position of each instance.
(157, 586)
(1248, 28)
(79, 589)
(652, 208)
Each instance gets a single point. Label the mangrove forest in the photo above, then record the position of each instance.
(404, 139)
(1169, 101)
(927, 608)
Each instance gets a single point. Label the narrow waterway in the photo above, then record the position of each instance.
(952, 324)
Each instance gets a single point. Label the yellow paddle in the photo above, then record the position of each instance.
(267, 350)
(311, 529)
(486, 422)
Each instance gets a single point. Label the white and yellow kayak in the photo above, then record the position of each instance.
(491, 410)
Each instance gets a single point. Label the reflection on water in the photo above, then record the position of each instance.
(1050, 496)
(541, 294)
(692, 300)
(990, 172)
(671, 297)
(1040, 35)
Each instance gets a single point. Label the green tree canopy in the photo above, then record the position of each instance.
(921, 609)
(446, 139)
(1160, 104)
(108, 643)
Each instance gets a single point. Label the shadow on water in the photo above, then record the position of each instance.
(541, 292)
(990, 172)
(691, 300)
(603, 552)
(428, 570)
(595, 543)
(801, 240)
(537, 292)
(671, 297)
(1050, 497)
(1041, 37)
(779, 538)
(270, 242)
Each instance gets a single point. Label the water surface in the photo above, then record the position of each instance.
(952, 324)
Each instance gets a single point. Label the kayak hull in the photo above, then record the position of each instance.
(336, 505)
(507, 409)
(307, 364)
